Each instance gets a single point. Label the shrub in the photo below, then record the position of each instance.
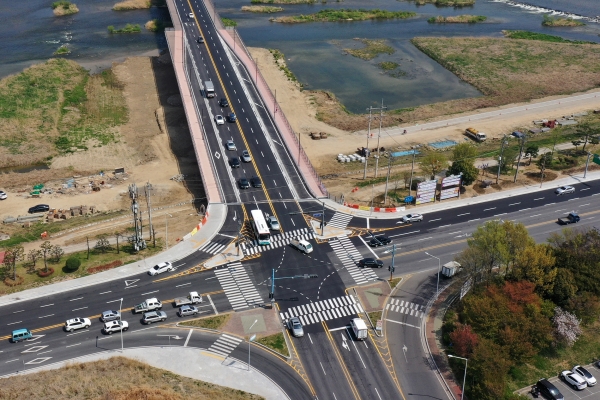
(73, 264)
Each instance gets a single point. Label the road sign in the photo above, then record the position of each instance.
(379, 325)
(317, 215)
(597, 159)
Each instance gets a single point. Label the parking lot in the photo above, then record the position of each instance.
(589, 393)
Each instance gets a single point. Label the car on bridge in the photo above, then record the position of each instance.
(295, 326)
(77, 323)
(160, 268)
(573, 379)
(219, 120)
(230, 145)
(232, 117)
(379, 241)
(234, 162)
(256, 182)
(115, 326)
(564, 190)
(223, 103)
(244, 184)
(185, 311)
(412, 218)
(246, 156)
(370, 263)
(154, 316)
(110, 315)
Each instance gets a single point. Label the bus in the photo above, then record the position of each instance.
(261, 230)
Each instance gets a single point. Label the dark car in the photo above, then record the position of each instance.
(244, 184)
(379, 241)
(200, 39)
(256, 182)
(548, 390)
(223, 103)
(232, 117)
(234, 162)
(370, 263)
(39, 208)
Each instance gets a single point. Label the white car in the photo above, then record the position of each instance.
(3, 195)
(246, 156)
(570, 378)
(585, 374)
(191, 15)
(160, 268)
(230, 145)
(219, 120)
(412, 218)
(564, 190)
(115, 326)
(77, 323)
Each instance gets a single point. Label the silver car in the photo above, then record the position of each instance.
(231, 145)
(273, 223)
(184, 311)
(295, 326)
(564, 190)
(154, 316)
(246, 156)
(110, 315)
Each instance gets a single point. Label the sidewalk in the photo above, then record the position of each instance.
(217, 213)
(449, 204)
(192, 363)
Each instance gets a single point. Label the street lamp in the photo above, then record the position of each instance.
(250, 342)
(462, 394)
(121, 322)
(437, 288)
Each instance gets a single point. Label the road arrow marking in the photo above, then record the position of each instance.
(129, 282)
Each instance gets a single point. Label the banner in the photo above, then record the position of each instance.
(426, 192)
(452, 180)
(449, 193)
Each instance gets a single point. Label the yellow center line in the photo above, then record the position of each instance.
(237, 120)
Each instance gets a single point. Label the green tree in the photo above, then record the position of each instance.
(433, 162)
(517, 239)
(468, 170)
(564, 286)
(586, 306)
(533, 151)
(490, 239)
(536, 264)
(488, 368)
(585, 132)
(12, 256)
(508, 159)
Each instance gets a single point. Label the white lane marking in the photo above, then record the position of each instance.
(44, 352)
(427, 238)
(476, 219)
(154, 291)
(487, 209)
(184, 284)
(79, 298)
(376, 391)
(261, 153)
(444, 226)
(256, 141)
(47, 305)
(212, 277)
(274, 183)
(16, 359)
(403, 323)
(539, 198)
(497, 215)
(13, 323)
(309, 338)
(368, 247)
(514, 204)
(319, 363)
(127, 287)
(49, 315)
(112, 301)
(77, 333)
(549, 204)
(536, 215)
(188, 338)
(77, 344)
(525, 209)
(437, 219)
(402, 234)
(460, 215)
(81, 308)
(587, 204)
(355, 348)
(268, 167)
(105, 292)
(212, 304)
(280, 196)
(15, 312)
(452, 233)
(581, 190)
(293, 222)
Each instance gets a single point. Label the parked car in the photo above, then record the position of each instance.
(273, 223)
(412, 218)
(295, 326)
(585, 374)
(246, 156)
(77, 323)
(234, 162)
(573, 379)
(379, 241)
(232, 117)
(115, 326)
(548, 390)
(39, 208)
(256, 182)
(370, 263)
(223, 103)
(185, 311)
(154, 316)
(219, 120)
(244, 184)
(110, 315)
(564, 190)
(200, 39)
(160, 268)
(231, 145)
(3, 195)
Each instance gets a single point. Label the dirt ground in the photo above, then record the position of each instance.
(154, 146)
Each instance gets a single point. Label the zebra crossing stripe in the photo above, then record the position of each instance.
(224, 345)
(340, 220)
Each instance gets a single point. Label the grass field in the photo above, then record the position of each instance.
(557, 21)
(283, 1)
(331, 15)
(216, 322)
(116, 378)
(60, 8)
(447, 3)
(275, 342)
(262, 9)
(129, 28)
(540, 36)
(372, 48)
(459, 19)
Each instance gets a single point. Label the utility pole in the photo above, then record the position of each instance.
(323, 220)
(411, 171)
(587, 162)
(368, 150)
(87, 239)
(148, 189)
(392, 267)
(137, 240)
(379, 136)
(388, 178)
(519, 159)
(543, 169)
(500, 158)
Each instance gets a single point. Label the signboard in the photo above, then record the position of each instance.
(449, 193)
(379, 325)
(452, 180)
(427, 185)
(466, 287)
(596, 159)
(426, 192)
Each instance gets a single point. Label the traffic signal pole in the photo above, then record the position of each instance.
(392, 267)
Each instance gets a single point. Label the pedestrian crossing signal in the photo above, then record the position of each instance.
(271, 295)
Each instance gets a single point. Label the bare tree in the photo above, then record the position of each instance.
(46, 249)
(57, 252)
(102, 243)
(11, 257)
(34, 255)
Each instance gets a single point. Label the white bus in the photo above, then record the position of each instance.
(261, 230)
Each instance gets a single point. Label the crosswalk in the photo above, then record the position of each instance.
(323, 310)
(340, 220)
(214, 246)
(405, 307)
(277, 240)
(224, 345)
(350, 256)
(238, 286)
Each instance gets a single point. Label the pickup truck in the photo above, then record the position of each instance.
(192, 298)
(572, 218)
(148, 305)
(302, 245)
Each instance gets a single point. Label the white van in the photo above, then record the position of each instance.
(360, 328)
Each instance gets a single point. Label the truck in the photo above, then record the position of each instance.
(148, 305)
(302, 245)
(450, 269)
(475, 134)
(191, 298)
(359, 328)
(571, 218)
(209, 88)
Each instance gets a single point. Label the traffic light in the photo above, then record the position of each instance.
(313, 276)
(271, 295)
(391, 268)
